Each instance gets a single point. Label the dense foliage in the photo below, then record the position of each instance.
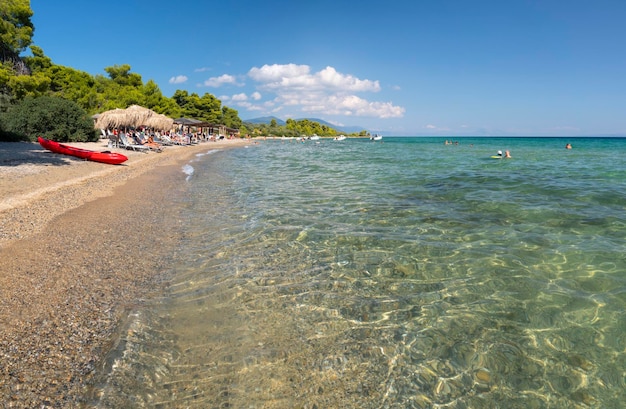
(293, 129)
(16, 28)
(53, 118)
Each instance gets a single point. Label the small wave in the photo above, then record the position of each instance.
(188, 170)
(207, 152)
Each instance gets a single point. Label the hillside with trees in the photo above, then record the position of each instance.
(290, 128)
(25, 79)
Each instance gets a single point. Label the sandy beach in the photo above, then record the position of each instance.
(80, 244)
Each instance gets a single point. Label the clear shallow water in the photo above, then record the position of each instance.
(399, 274)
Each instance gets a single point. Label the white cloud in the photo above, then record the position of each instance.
(256, 96)
(239, 97)
(276, 73)
(250, 107)
(331, 78)
(221, 80)
(325, 92)
(431, 127)
(179, 79)
(353, 105)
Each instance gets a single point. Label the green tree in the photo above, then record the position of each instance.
(210, 108)
(71, 84)
(291, 126)
(230, 118)
(243, 130)
(54, 118)
(21, 86)
(16, 31)
(152, 96)
(206, 108)
(121, 75)
(16, 28)
(38, 61)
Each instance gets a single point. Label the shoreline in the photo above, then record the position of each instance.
(81, 243)
(33, 180)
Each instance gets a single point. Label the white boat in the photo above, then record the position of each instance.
(340, 138)
(314, 137)
(376, 137)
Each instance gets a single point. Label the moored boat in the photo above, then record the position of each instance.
(102, 157)
(376, 137)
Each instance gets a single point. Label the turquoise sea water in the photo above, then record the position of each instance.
(402, 274)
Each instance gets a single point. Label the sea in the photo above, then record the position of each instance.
(403, 273)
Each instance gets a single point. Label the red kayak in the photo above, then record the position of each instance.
(104, 157)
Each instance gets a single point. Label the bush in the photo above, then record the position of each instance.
(53, 118)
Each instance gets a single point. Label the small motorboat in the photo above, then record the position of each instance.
(102, 157)
(376, 137)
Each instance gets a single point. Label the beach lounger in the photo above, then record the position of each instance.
(165, 142)
(170, 140)
(126, 144)
(155, 146)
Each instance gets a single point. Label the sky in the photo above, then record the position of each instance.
(400, 67)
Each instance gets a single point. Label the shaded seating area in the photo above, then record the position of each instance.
(212, 131)
(141, 129)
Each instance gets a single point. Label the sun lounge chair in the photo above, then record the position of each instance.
(165, 142)
(172, 141)
(126, 144)
(155, 146)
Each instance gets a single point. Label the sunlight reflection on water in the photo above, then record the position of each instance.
(353, 275)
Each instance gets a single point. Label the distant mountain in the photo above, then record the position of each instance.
(265, 120)
(268, 119)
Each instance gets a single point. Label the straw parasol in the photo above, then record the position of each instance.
(115, 118)
(159, 121)
(133, 116)
(138, 115)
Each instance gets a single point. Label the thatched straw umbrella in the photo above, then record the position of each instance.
(115, 118)
(133, 116)
(159, 121)
(139, 115)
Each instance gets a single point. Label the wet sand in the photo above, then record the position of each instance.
(81, 243)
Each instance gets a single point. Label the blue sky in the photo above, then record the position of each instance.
(410, 67)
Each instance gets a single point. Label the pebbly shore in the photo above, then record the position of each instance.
(81, 243)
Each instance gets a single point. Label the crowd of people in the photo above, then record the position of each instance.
(156, 140)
